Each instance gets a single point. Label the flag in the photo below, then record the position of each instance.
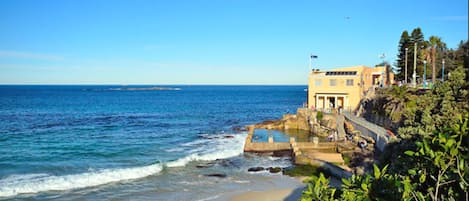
(314, 56)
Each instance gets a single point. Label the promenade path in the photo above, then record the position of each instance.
(340, 126)
(377, 133)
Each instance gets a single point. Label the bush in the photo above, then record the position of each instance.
(319, 116)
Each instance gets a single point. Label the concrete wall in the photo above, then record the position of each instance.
(267, 147)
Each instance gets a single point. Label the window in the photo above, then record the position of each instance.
(340, 73)
(317, 82)
(332, 82)
(349, 82)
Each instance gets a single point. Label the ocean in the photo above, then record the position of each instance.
(100, 143)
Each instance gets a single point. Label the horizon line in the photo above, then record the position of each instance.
(144, 84)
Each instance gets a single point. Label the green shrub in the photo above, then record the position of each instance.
(319, 116)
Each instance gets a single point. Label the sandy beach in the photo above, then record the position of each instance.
(283, 194)
(289, 194)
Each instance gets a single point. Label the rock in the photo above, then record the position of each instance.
(275, 169)
(270, 124)
(219, 175)
(281, 153)
(256, 169)
(360, 170)
(240, 128)
(224, 163)
(205, 165)
(206, 136)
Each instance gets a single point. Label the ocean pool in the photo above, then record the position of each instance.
(261, 135)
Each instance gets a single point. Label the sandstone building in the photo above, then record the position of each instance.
(344, 87)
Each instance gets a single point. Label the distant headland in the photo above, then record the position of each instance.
(145, 89)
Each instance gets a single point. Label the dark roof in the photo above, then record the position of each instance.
(332, 73)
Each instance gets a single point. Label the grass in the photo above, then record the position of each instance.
(304, 170)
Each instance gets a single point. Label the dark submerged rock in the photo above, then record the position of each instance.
(256, 169)
(219, 175)
(205, 165)
(275, 169)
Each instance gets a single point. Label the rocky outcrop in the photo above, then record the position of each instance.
(299, 121)
(304, 119)
(271, 124)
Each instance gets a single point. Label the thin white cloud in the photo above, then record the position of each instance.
(452, 18)
(29, 55)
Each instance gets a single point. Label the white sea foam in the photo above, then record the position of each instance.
(214, 149)
(33, 183)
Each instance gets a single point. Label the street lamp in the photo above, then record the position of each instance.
(443, 72)
(406, 65)
(414, 75)
(383, 56)
(311, 57)
(424, 74)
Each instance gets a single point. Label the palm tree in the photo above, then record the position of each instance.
(435, 42)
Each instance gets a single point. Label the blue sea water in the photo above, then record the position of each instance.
(89, 142)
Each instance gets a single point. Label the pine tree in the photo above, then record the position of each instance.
(404, 43)
(418, 38)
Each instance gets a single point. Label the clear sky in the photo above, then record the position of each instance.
(208, 41)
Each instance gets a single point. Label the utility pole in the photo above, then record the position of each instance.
(406, 65)
(424, 74)
(443, 72)
(414, 75)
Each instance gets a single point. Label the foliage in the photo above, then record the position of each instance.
(438, 107)
(318, 189)
(442, 170)
(388, 105)
(319, 116)
(374, 186)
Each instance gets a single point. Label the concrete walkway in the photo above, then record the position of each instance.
(369, 129)
(340, 126)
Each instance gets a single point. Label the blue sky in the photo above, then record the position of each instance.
(208, 41)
